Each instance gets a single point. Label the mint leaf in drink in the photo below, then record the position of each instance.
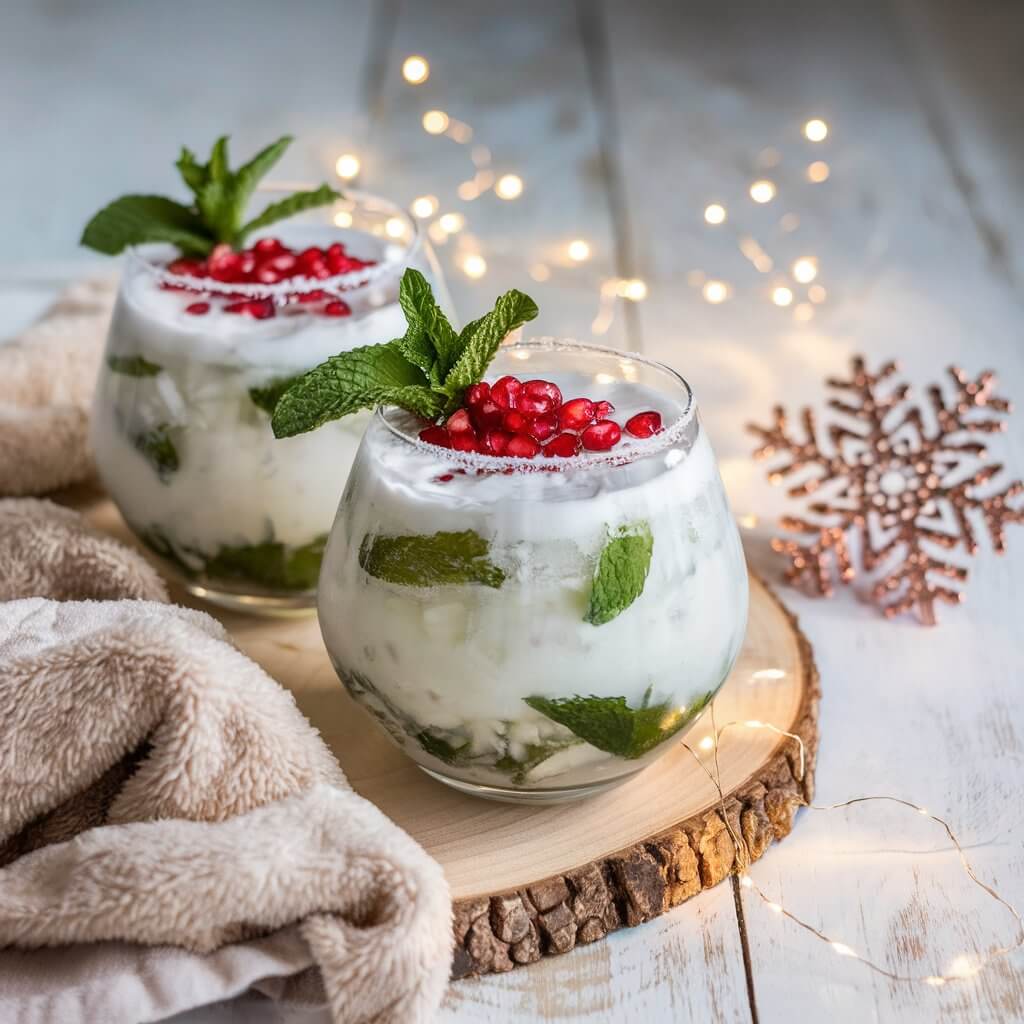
(621, 573)
(267, 397)
(220, 197)
(361, 378)
(133, 366)
(611, 725)
(441, 748)
(434, 560)
(270, 564)
(159, 451)
(479, 341)
(134, 220)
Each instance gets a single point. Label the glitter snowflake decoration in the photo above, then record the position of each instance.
(896, 491)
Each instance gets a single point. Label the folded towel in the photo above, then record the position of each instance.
(158, 788)
(47, 379)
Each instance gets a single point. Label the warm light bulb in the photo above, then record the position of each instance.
(762, 191)
(818, 172)
(540, 272)
(714, 213)
(395, 227)
(816, 293)
(435, 122)
(815, 129)
(715, 292)
(424, 206)
(805, 270)
(474, 266)
(633, 289)
(843, 949)
(347, 166)
(782, 296)
(452, 222)
(415, 70)
(510, 186)
(578, 250)
(707, 743)
(343, 219)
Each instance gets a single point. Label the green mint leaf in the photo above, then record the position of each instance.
(431, 338)
(134, 220)
(293, 204)
(249, 175)
(217, 168)
(479, 341)
(159, 450)
(193, 173)
(361, 378)
(436, 560)
(217, 208)
(611, 725)
(621, 573)
(267, 397)
(270, 564)
(441, 748)
(158, 542)
(533, 755)
(133, 366)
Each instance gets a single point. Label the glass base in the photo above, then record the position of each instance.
(528, 796)
(287, 606)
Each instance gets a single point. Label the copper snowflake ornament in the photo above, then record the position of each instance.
(900, 490)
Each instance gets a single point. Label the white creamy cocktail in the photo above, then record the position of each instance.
(195, 361)
(538, 627)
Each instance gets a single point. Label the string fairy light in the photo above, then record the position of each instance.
(474, 266)
(509, 186)
(578, 250)
(435, 122)
(415, 69)
(762, 191)
(963, 967)
(782, 296)
(424, 206)
(818, 172)
(805, 269)
(347, 166)
(714, 213)
(715, 292)
(815, 130)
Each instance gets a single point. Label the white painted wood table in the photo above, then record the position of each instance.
(624, 120)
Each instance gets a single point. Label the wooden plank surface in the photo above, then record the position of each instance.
(918, 235)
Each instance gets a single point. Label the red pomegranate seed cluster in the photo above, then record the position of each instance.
(269, 261)
(525, 419)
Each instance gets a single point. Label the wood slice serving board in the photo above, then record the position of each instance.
(530, 881)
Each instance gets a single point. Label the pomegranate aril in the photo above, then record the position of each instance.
(460, 423)
(514, 422)
(464, 441)
(198, 308)
(601, 436)
(444, 478)
(543, 389)
(265, 275)
(505, 392)
(644, 424)
(268, 245)
(436, 435)
(535, 405)
(522, 446)
(488, 416)
(495, 442)
(477, 394)
(337, 308)
(284, 264)
(187, 268)
(542, 427)
(602, 410)
(576, 414)
(314, 296)
(565, 446)
(258, 309)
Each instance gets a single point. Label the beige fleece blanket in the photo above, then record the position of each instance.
(172, 830)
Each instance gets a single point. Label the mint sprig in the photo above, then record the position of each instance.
(215, 215)
(621, 573)
(439, 559)
(611, 725)
(425, 371)
(133, 366)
